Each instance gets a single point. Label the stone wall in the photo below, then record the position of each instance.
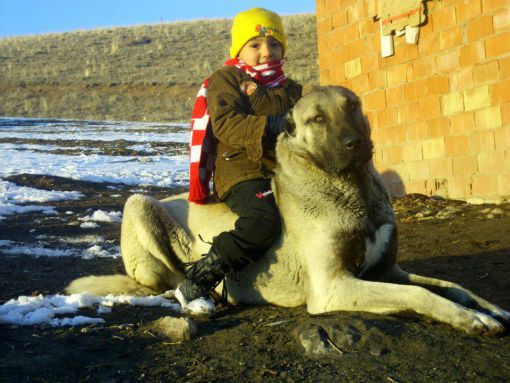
(440, 109)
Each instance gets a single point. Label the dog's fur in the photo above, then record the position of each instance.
(339, 243)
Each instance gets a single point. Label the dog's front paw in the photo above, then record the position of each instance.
(485, 325)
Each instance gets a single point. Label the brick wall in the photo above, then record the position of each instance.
(439, 110)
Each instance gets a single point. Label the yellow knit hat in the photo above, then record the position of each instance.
(256, 22)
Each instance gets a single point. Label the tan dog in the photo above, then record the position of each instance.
(339, 244)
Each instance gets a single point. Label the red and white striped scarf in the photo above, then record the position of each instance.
(203, 143)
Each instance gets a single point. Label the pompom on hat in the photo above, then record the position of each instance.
(256, 22)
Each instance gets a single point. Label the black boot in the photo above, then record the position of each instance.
(201, 278)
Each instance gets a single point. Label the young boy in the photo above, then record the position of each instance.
(246, 100)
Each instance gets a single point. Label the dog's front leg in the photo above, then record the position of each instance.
(450, 290)
(347, 293)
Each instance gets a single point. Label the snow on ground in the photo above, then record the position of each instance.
(103, 216)
(40, 249)
(11, 195)
(44, 158)
(162, 171)
(76, 130)
(38, 310)
(155, 170)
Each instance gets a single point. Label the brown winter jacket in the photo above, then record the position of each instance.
(238, 120)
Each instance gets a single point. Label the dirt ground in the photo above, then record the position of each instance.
(445, 239)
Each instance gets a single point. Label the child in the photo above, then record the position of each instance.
(246, 102)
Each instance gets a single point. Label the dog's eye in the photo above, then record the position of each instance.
(319, 118)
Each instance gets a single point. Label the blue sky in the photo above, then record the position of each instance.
(23, 17)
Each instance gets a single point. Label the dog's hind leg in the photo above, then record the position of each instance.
(450, 290)
(347, 293)
(151, 241)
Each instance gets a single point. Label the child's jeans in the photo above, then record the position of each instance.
(258, 227)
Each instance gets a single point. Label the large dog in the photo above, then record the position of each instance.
(339, 244)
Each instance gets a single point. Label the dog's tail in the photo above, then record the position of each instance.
(109, 284)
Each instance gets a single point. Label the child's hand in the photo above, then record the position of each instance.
(275, 124)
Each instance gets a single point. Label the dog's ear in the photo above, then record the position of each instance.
(290, 125)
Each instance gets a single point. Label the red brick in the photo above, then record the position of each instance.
(441, 167)
(505, 113)
(501, 19)
(485, 185)
(377, 79)
(334, 39)
(416, 131)
(456, 145)
(481, 141)
(337, 76)
(355, 49)
(500, 92)
(504, 67)
(429, 107)
(423, 67)
(395, 96)
(461, 80)
(405, 53)
(416, 187)
(339, 19)
(369, 64)
(350, 33)
(497, 45)
(464, 165)
(416, 90)
(418, 170)
(324, 77)
(459, 187)
(502, 138)
(356, 12)
(462, 123)
(504, 183)
(485, 73)
(320, 7)
(450, 38)
(396, 75)
(324, 25)
(443, 19)
(392, 155)
(493, 162)
(378, 134)
(438, 127)
(396, 134)
(360, 84)
(438, 85)
(428, 45)
(479, 27)
(388, 117)
(473, 53)
(408, 112)
(468, 10)
(490, 5)
(375, 100)
(448, 61)
(368, 26)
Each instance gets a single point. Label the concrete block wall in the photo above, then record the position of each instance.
(439, 110)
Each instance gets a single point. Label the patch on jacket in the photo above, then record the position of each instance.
(264, 194)
(248, 87)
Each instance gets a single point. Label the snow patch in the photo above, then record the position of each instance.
(39, 310)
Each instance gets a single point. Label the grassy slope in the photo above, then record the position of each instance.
(138, 73)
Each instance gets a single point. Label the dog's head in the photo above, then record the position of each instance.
(327, 127)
